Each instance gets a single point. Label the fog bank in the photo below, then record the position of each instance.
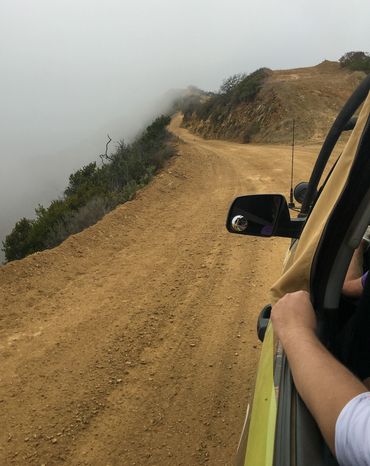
(75, 70)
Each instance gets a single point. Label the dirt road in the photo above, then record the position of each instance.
(133, 343)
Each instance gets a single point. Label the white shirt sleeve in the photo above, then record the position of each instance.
(352, 432)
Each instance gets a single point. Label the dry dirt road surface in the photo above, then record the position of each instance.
(133, 343)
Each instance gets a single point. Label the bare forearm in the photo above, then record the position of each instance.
(355, 269)
(352, 285)
(324, 384)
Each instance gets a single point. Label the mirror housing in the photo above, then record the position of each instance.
(300, 191)
(262, 215)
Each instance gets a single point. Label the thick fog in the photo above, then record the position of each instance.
(74, 70)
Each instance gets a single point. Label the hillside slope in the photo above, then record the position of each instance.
(312, 96)
(134, 341)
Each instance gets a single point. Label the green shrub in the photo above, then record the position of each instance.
(247, 89)
(356, 61)
(233, 91)
(229, 84)
(74, 222)
(92, 191)
(17, 244)
(87, 175)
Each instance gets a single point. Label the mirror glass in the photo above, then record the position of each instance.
(255, 215)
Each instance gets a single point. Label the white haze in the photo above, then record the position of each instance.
(74, 70)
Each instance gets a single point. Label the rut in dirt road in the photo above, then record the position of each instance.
(133, 343)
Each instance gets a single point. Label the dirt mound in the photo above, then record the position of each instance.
(134, 341)
(311, 96)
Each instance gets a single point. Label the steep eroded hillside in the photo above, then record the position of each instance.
(311, 96)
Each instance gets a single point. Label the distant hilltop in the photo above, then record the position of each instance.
(260, 107)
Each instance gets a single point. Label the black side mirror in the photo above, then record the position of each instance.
(262, 215)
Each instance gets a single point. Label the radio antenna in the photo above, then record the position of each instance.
(291, 200)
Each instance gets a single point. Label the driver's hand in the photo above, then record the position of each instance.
(293, 315)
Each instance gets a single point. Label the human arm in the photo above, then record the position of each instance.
(324, 384)
(352, 285)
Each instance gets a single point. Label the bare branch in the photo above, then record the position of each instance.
(105, 156)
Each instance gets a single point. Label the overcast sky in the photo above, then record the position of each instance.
(73, 70)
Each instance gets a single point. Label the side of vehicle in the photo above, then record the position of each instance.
(329, 227)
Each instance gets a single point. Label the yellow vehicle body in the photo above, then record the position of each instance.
(260, 447)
